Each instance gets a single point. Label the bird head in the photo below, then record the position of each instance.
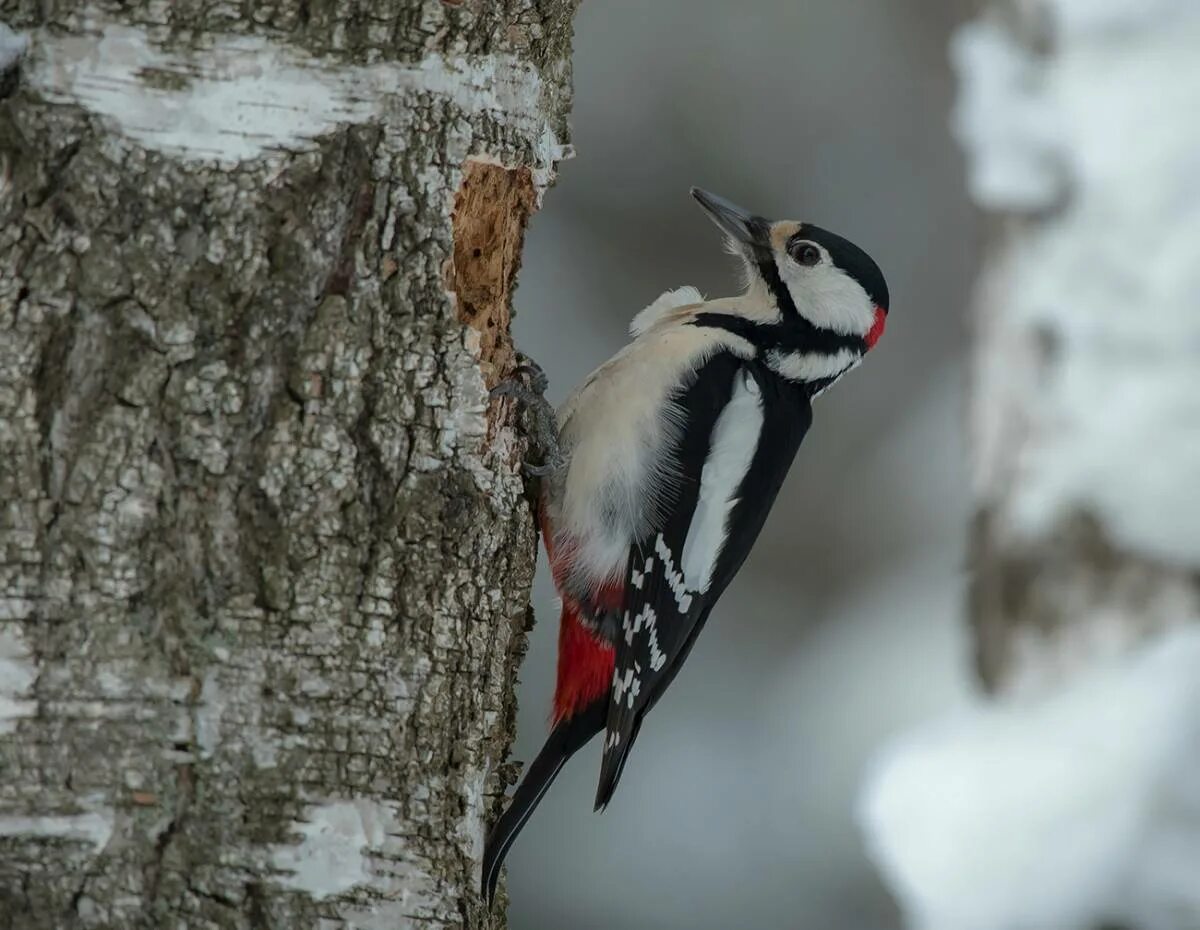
(805, 271)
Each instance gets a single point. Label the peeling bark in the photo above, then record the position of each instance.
(264, 552)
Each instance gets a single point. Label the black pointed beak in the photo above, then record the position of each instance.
(739, 224)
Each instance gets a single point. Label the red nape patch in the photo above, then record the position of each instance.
(585, 666)
(877, 327)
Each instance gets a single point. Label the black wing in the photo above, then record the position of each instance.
(665, 605)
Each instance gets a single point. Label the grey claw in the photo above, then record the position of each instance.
(507, 388)
(544, 431)
(538, 382)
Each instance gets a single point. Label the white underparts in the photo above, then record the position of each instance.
(734, 442)
(618, 430)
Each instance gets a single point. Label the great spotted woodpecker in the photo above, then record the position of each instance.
(670, 456)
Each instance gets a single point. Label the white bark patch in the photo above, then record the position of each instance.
(17, 675)
(243, 96)
(346, 844)
(94, 827)
(208, 715)
(12, 46)
(473, 826)
(331, 857)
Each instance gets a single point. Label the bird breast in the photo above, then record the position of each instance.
(617, 431)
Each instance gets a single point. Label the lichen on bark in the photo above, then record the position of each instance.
(264, 553)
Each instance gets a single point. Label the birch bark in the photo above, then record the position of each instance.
(264, 552)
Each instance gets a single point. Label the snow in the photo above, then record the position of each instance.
(1075, 17)
(1094, 338)
(1005, 121)
(1076, 810)
(17, 675)
(245, 96)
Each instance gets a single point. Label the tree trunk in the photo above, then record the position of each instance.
(265, 553)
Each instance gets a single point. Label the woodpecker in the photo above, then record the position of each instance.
(669, 457)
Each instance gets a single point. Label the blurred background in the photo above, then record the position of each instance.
(737, 808)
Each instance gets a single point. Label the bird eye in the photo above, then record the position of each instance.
(805, 253)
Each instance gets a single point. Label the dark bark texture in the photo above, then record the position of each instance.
(265, 554)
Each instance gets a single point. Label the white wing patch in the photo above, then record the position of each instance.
(647, 618)
(734, 442)
(636, 578)
(627, 687)
(666, 302)
(675, 579)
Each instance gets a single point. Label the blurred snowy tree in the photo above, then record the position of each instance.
(1086, 395)
(1069, 801)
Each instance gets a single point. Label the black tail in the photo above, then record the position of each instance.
(612, 767)
(564, 741)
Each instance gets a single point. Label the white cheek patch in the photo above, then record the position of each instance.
(734, 442)
(829, 298)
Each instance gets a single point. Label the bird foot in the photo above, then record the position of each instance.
(527, 385)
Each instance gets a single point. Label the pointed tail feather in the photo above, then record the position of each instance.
(613, 765)
(568, 737)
